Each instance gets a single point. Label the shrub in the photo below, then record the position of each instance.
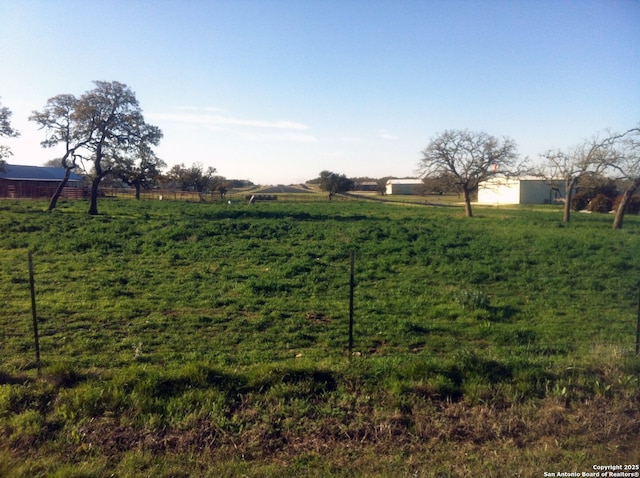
(632, 208)
(600, 203)
(581, 200)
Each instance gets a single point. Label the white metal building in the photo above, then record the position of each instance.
(525, 190)
(403, 186)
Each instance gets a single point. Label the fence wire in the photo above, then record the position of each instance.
(215, 309)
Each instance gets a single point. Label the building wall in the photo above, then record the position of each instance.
(395, 187)
(37, 189)
(536, 192)
(519, 191)
(499, 192)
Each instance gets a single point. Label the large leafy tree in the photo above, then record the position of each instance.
(196, 178)
(106, 127)
(466, 158)
(335, 183)
(59, 122)
(111, 119)
(6, 130)
(142, 170)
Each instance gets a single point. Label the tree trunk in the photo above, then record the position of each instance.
(93, 202)
(467, 203)
(100, 174)
(56, 195)
(569, 184)
(624, 202)
(137, 186)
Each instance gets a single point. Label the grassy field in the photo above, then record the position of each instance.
(211, 339)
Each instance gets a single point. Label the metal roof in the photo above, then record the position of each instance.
(15, 172)
(405, 181)
(514, 179)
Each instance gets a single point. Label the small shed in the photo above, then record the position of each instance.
(524, 190)
(366, 186)
(19, 181)
(403, 186)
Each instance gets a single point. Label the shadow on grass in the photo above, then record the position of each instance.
(503, 313)
(8, 379)
(302, 382)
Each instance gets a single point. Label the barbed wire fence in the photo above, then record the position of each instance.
(254, 314)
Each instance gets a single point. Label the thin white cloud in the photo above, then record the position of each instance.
(197, 108)
(352, 139)
(387, 136)
(222, 121)
(280, 136)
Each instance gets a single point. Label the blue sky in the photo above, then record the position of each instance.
(276, 91)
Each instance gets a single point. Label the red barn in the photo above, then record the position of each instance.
(18, 181)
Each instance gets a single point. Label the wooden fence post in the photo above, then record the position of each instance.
(33, 313)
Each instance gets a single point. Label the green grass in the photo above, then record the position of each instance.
(211, 338)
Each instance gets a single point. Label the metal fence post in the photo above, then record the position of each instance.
(638, 324)
(33, 312)
(352, 285)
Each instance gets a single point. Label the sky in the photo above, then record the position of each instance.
(276, 91)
